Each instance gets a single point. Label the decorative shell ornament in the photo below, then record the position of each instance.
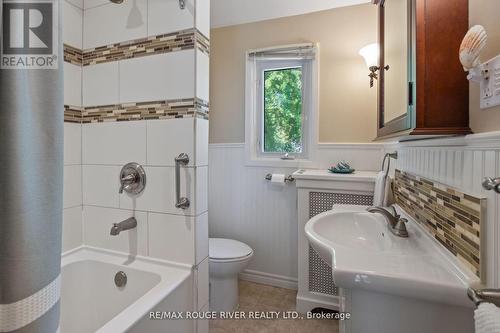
(472, 45)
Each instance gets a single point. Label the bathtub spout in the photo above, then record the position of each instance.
(128, 224)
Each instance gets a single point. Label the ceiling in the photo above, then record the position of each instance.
(232, 12)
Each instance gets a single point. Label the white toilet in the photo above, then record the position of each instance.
(227, 259)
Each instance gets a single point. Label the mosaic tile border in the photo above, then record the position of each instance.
(453, 218)
(203, 43)
(73, 114)
(169, 109)
(73, 55)
(166, 43)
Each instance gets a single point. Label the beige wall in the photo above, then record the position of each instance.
(486, 13)
(347, 104)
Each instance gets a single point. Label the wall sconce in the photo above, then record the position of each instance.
(371, 53)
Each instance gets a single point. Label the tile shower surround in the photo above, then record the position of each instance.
(453, 218)
(166, 109)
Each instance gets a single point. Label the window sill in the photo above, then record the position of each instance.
(279, 163)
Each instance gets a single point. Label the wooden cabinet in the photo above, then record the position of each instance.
(434, 84)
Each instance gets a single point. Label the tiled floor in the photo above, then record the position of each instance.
(258, 297)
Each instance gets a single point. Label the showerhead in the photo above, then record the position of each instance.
(117, 1)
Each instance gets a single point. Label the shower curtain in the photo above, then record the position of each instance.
(31, 172)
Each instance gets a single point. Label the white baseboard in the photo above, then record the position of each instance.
(269, 279)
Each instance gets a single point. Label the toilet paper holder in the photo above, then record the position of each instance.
(288, 179)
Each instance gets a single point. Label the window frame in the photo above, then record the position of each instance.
(254, 109)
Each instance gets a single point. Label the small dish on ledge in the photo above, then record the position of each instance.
(342, 167)
(341, 171)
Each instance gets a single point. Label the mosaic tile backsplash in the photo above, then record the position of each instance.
(452, 217)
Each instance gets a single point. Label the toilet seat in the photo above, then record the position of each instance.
(232, 260)
(228, 250)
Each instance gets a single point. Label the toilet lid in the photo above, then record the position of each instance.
(220, 248)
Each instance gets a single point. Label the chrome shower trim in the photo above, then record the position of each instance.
(132, 179)
(180, 202)
(128, 224)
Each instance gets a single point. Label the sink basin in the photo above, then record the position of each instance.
(360, 231)
(364, 254)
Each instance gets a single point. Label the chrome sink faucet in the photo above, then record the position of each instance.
(396, 224)
(128, 224)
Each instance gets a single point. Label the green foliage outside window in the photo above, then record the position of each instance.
(283, 110)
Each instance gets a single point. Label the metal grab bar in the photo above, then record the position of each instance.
(484, 296)
(181, 202)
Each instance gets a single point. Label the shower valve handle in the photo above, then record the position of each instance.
(132, 179)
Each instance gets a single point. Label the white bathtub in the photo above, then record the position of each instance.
(91, 302)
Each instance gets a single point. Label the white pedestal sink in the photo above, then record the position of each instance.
(392, 284)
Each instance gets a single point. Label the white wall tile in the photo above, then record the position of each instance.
(72, 144)
(158, 77)
(171, 237)
(201, 231)
(202, 76)
(111, 23)
(202, 142)
(101, 84)
(166, 16)
(203, 16)
(101, 185)
(169, 138)
(203, 284)
(72, 84)
(159, 194)
(72, 24)
(72, 186)
(201, 190)
(72, 228)
(78, 3)
(114, 143)
(94, 3)
(97, 222)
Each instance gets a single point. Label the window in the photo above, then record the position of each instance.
(282, 112)
(280, 109)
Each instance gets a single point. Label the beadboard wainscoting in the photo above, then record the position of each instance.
(246, 207)
(462, 163)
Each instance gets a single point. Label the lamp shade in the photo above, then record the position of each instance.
(371, 53)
